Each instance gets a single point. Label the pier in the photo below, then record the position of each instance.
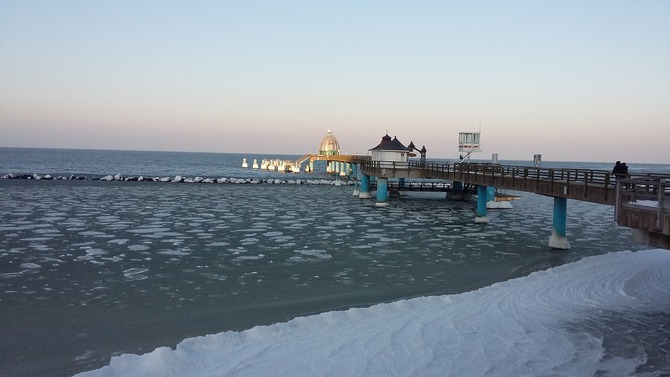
(641, 201)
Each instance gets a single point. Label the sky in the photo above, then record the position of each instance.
(571, 80)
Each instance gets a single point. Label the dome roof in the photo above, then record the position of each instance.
(329, 145)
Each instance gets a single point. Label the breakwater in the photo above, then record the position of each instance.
(179, 179)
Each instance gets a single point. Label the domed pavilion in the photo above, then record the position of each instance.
(329, 145)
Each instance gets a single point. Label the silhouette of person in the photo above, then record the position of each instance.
(624, 170)
(618, 169)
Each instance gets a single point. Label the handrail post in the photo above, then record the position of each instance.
(618, 200)
(661, 205)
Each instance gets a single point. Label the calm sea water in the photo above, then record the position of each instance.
(91, 269)
(96, 163)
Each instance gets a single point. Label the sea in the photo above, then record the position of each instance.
(294, 275)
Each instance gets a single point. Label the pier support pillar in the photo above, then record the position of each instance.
(365, 187)
(382, 192)
(354, 173)
(456, 191)
(490, 194)
(558, 239)
(481, 205)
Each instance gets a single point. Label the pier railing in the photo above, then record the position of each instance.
(643, 202)
(596, 186)
(351, 158)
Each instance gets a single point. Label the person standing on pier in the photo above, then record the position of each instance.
(620, 171)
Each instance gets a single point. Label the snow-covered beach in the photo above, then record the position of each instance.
(604, 315)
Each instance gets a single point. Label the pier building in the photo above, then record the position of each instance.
(329, 145)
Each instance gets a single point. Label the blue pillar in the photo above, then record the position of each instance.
(481, 206)
(558, 239)
(382, 192)
(401, 182)
(490, 194)
(365, 187)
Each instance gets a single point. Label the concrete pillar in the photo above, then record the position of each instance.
(558, 239)
(456, 191)
(382, 192)
(481, 206)
(354, 174)
(343, 169)
(365, 187)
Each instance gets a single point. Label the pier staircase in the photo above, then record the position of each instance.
(303, 158)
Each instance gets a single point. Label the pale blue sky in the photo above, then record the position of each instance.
(572, 80)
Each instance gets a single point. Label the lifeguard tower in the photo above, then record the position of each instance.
(468, 142)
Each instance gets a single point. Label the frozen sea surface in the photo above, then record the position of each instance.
(92, 269)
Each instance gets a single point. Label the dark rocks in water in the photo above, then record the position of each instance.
(177, 179)
(47, 177)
